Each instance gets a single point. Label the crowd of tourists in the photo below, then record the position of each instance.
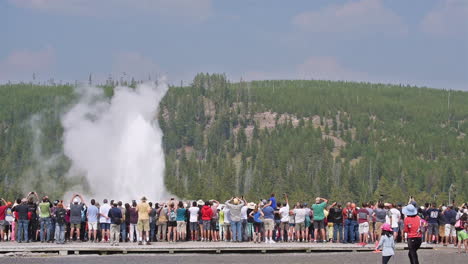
(32, 219)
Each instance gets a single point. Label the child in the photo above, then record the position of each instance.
(386, 243)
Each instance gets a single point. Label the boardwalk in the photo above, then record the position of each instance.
(184, 247)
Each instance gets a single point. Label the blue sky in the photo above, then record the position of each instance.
(417, 42)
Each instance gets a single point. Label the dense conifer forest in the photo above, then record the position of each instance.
(340, 140)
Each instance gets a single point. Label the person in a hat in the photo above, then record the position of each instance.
(412, 226)
(143, 210)
(386, 243)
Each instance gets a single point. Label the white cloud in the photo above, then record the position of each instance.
(448, 18)
(315, 67)
(20, 65)
(190, 9)
(366, 16)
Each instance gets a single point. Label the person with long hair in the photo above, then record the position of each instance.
(257, 214)
(181, 225)
(386, 243)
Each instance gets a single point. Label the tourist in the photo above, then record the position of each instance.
(127, 222)
(363, 221)
(3, 222)
(319, 216)
(194, 220)
(207, 214)
(60, 223)
(133, 215)
(433, 223)
(227, 224)
(450, 233)
(386, 243)
(235, 206)
(92, 214)
(299, 221)
(257, 215)
(143, 210)
(462, 231)
(442, 221)
(268, 221)
(181, 225)
(44, 219)
(115, 215)
(284, 213)
(350, 216)
(123, 225)
(76, 206)
(335, 216)
(171, 222)
(379, 213)
(244, 217)
(215, 220)
(33, 231)
(162, 222)
(104, 220)
(412, 226)
(22, 210)
(393, 218)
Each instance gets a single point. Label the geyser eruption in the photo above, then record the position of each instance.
(117, 142)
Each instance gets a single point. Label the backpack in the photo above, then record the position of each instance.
(60, 216)
(349, 213)
(172, 216)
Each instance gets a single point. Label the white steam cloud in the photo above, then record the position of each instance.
(116, 143)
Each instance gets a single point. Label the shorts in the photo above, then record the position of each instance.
(433, 229)
(371, 227)
(269, 224)
(401, 225)
(214, 224)
(395, 229)
(462, 235)
(193, 226)
(257, 227)
(300, 226)
(292, 224)
(92, 226)
(76, 226)
(172, 223)
(364, 228)
(3, 224)
(207, 224)
(319, 224)
(450, 230)
(105, 226)
(284, 226)
(378, 228)
(442, 230)
(143, 225)
(181, 226)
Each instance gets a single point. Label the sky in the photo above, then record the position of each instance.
(417, 42)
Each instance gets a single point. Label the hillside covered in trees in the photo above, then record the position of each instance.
(342, 140)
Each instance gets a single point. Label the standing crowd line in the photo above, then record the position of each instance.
(32, 220)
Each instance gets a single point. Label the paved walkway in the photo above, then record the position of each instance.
(194, 247)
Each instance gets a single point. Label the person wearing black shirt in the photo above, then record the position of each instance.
(23, 220)
(335, 216)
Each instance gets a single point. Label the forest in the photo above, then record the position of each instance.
(345, 141)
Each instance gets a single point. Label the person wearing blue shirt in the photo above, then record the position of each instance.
(273, 201)
(268, 223)
(115, 215)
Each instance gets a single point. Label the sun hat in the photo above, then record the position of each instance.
(409, 210)
(235, 201)
(251, 205)
(76, 200)
(386, 227)
(200, 202)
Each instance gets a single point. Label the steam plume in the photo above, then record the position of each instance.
(116, 143)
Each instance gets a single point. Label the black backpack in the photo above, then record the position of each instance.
(60, 216)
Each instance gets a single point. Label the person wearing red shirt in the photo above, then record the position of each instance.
(3, 222)
(412, 226)
(350, 223)
(207, 214)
